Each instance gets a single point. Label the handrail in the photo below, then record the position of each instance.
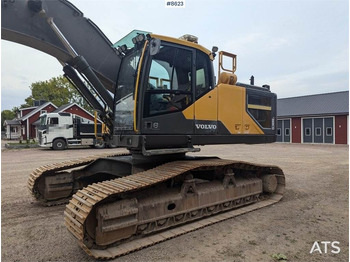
(221, 66)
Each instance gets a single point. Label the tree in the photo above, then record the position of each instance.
(57, 90)
(6, 115)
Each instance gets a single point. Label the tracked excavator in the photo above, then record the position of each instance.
(159, 98)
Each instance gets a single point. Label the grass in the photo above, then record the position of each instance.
(279, 257)
(23, 143)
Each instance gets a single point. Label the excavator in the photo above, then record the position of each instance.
(159, 98)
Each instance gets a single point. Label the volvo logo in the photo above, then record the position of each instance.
(204, 126)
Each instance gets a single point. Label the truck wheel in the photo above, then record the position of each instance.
(112, 145)
(109, 144)
(59, 144)
(99, 144)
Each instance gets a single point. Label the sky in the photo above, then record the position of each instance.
(298, 47)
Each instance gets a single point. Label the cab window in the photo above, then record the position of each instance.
(203, 74)
(169, 87)
(53, 121)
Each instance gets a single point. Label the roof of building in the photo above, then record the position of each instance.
(37, 110)
(26, 108)
(13, 122)
(66, 106)
(63, 107)
(321, 104)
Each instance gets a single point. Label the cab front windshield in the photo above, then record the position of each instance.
(43, 120)
(125, 99)
(43, 125)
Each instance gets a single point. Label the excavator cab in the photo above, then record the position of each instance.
(158, 80)
(166, 100)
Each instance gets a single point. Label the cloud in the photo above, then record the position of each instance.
(256, 42)
(326, 77)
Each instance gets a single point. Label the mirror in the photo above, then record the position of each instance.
(154, 46)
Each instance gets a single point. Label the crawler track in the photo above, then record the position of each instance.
(83, 207)
(57, 170)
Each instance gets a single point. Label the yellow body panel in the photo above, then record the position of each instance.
(189, 112)
(230, 107)
(204, 109)
(227, 104)
(232, 110)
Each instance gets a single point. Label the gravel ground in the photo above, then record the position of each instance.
(314, 208)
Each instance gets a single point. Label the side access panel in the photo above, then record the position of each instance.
(233, 116)
(206, 114)
(230, 109)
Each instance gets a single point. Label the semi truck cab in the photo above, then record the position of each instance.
(60, 130)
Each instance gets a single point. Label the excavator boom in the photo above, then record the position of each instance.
(28, 23)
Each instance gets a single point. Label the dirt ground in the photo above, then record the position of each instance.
(314, 208)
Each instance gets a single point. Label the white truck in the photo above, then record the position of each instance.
(62, 130)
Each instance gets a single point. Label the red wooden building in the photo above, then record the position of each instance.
(22, 127)
(25, 126)
(321, 119)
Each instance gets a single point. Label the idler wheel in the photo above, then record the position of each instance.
(269, 183)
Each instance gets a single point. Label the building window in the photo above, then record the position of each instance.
(279, 131)
(329, 131)
(43, 112)
(286, 132)
(308, 131)
(318, 131)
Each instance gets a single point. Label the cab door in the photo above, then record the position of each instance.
(169, 91)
